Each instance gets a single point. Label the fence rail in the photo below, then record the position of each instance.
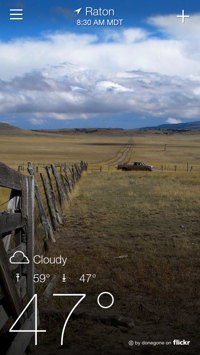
(51, 189)
(167, 167)
(19, 218)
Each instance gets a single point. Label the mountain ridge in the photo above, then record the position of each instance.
(7, 129)
(177, 126)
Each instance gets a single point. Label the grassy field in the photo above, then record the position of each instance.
(45, 149)
(48, 148)
(137, 232)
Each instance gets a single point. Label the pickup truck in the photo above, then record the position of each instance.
(135, 166)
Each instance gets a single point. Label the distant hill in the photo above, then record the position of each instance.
(122, 132)
(178, 126)
(115, 132)
(8, 130)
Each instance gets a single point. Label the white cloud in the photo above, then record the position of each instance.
(36, 121)
(173, 120)
(105, 85)
(113, 51)
(127, 35)
(79, 93)
(69, 75)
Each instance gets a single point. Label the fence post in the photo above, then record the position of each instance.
(75, 173)
(50, 205)
(65, 186)
(61, 194)
(68, 180)
(28, 210)
(45, 222)
(72, 175)
(18, 218)
(59, 219)
(78, 170)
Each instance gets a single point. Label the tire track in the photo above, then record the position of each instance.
(123, 156)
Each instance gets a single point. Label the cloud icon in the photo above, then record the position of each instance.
(19, 255)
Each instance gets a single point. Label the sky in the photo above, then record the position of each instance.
(122, 64)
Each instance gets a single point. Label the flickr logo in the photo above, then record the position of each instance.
(180, 342)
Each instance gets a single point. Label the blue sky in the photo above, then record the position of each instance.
(57, 72)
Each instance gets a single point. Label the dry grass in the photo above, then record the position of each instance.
(45, 149)
(48, 148)
(152, 218)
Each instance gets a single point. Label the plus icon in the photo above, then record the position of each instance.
(183, 16)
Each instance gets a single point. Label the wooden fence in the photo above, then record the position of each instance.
(51, 189)
(17, 240)
(187, 167)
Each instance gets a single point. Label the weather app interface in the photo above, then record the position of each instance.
(99, 177)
